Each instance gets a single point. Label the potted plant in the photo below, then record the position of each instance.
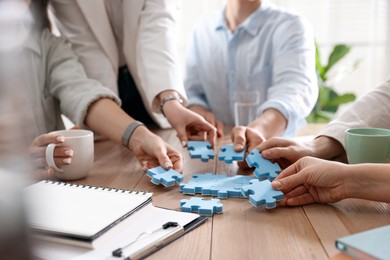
(329, 100)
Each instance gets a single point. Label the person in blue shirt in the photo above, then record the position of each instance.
(252, 45)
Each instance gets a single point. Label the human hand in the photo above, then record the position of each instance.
(209, 117)
(37, 152)
(288, 151)
(151, 151)
(311, 180)
(188, 124)
(245, 136)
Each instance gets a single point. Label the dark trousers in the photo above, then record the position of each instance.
(131, 99)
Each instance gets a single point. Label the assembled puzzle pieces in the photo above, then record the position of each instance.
(228, 154)
(261, 192)
(202, 206)
(264, 168)
(221, 186)
(165, 177)
(200, 149)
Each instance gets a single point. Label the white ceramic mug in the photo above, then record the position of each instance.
(81, 142)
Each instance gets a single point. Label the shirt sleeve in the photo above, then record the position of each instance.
(68, 82)
(294, 89)
(371, 110)
(157, 59)
(75, 28)
(192, 81)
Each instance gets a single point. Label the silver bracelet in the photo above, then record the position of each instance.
(129, 131)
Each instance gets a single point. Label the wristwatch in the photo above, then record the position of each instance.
(168, 98)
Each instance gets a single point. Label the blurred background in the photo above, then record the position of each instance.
(362, 24)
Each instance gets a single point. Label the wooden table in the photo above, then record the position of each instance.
(242, 231)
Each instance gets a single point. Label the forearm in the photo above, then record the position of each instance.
(270, 123)
(325, 147)
(107, 118)
(369, 181)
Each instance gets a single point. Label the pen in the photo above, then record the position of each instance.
(168, 237)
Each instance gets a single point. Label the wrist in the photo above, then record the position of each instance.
(167, 100)
(171, 108)
(327, 148)
(138, 135)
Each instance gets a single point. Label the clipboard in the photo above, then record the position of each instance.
(139, 251)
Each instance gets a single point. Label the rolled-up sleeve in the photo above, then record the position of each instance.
(68, 82)
(294, 89)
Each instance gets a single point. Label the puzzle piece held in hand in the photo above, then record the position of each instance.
(261, 192)
(202, 206)
(228, 154)
(221, 186)
(165, 177)
(264, 168)
(200, 149)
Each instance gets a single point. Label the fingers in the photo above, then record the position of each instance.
(276, 153)
(46, 139)
(303, 199)
(182, 135)
(238, 138)
(44, 174)
(65, 152)
(289, 179)
(274, 142)
(41, 163)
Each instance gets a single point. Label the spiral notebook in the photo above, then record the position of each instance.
(78, 214)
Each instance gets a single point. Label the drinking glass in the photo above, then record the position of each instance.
(245, 107)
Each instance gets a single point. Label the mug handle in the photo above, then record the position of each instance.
(50, 157)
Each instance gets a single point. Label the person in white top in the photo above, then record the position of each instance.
(130, 47)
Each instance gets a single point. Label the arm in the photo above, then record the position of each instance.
(89, 104)
(294, 87)
(294, 90)
(312, 180)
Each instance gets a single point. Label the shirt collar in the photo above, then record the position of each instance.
(252, 24)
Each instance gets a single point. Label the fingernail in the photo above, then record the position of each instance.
(184, 143)
(50, 171)
(168, 165)
(265, 153)
(144, 163)
(67, 160)
(69, 152)
(239, 146)
(60, 138)
(276, 184)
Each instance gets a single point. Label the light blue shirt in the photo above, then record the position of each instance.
(272, 52)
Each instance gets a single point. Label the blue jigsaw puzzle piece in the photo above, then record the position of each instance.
(200, 150)
(228, 154)
(221, 186)
(202, 206)
(261, 192)
(165, 177)
(264, 168)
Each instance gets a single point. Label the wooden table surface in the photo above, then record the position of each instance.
(242, 231)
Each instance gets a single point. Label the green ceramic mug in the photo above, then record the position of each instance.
(367, 145)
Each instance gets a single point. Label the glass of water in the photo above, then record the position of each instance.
(245, 107)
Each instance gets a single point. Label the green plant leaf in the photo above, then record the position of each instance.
(339, 51)
(319, 68)
(341, 99)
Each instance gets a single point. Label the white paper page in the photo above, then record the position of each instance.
(147, 219)
(79, 210)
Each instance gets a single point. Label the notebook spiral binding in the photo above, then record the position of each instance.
(60, 183)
